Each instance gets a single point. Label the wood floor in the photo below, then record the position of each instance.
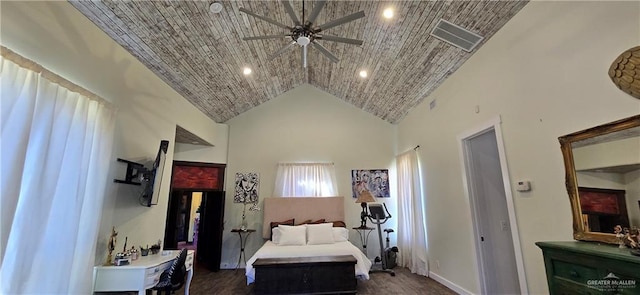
(234, 282)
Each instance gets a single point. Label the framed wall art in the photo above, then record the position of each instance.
(375, 181)
(247, 184)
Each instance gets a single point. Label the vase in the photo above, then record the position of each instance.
(243, 225)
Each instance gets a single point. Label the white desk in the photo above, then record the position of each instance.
(140, 275)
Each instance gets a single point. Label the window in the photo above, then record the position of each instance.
(54, 172)
(305, 180)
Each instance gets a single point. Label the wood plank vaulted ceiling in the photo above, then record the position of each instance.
(201, 54)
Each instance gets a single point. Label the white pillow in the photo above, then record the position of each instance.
(340, 234)
(320, 234)
(275, 235)
(292, 235)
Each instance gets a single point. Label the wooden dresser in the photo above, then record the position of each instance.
(306, 275)
(590, 268)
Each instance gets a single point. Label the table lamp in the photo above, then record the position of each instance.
(363, 198)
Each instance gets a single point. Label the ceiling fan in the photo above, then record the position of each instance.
(305, 32)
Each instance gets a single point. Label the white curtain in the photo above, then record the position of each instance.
(305, 180)
(55, 149)
(412, 230)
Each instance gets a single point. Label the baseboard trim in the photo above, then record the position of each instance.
(449, 284)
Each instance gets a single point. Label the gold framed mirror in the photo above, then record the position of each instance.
(602, 172)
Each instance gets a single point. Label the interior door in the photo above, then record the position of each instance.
(170, 232)
(488, 197)
(211, 229)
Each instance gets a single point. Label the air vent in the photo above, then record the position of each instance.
(456, 35)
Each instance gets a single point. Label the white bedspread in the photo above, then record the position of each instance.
(271, 250)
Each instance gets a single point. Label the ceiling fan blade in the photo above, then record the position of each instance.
(341, 21)
(282, 50)
(316, 11)
(266, 37)
(264, 18)
(292, 14)
(324, 51)
(340, 39)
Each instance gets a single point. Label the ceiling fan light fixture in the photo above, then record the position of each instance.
(215, 7)
(303, 40)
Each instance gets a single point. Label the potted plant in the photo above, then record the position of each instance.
(144, 251)
(155, 248)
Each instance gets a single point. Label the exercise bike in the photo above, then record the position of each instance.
(376, 211)
(390, 253)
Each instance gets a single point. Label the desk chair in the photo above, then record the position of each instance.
(172, 279)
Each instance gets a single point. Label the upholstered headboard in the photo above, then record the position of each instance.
(279, 209)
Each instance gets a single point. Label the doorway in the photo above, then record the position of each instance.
(496, 237)
(195, 214)
(183, 220)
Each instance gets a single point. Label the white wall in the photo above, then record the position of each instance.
(60, 38)
(601, 180)
(201, 153)
(302, 125)
(613, 153)
(545, 74)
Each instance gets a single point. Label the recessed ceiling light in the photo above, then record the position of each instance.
(363, 74)
(388, 13)
(246, 71)
(215, 7)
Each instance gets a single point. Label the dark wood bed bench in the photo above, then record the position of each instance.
(306, 275)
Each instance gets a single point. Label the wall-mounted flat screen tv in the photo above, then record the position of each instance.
(151, 192)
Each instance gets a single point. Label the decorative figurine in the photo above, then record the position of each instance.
(111, 246)
(632, 238)
(628, 238)
(619, 235)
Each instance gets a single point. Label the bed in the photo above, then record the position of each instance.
(313, 209)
